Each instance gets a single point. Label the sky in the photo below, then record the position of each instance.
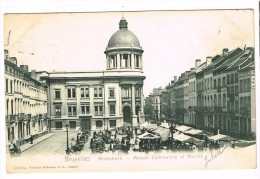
(171, 40)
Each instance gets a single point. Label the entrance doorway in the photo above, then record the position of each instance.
(85, 124)
(127, 114)
(137, 111)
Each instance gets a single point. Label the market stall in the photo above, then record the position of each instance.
(183, 128)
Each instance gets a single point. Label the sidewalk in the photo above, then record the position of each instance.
(28, 145)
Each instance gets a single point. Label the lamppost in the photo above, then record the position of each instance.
(172, 127)
(67, 150)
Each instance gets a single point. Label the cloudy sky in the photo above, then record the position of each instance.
(171, 40)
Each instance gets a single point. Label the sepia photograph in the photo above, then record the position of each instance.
(130, 90)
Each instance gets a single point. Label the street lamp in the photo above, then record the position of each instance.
(67, 150)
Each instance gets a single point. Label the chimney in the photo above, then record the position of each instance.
(13, 60)
(175, 78)
(192, 69)
(208, 61)
(6, 54)
(225, 52)
(33, 74)
(24, 68)
(197, 63)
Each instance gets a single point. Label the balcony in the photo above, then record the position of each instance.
(20, 116)
(40, 116)
(11, 118)
(45, 115)
(28, 117)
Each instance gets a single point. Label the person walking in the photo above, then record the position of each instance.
(31, 139)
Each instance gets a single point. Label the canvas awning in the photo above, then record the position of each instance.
(221, 137)
(147, 135)
(165, 125)
(158, 129)
(144, 124)
(183, 128)
(164, 134)
(182, 137)
(188, 139)
(152, 127)
(194, 131)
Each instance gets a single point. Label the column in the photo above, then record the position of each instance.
(134, 116)
(118, 60)
(142, 100)
(132, 61)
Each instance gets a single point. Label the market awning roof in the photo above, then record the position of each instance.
(182, 137)
(147, 135)
(194, 131)
(188, 139)
(144, 124)
(221, 137)
(158, 129)
(183, 128)
(165, 125)
(152, 127)
(165, 133)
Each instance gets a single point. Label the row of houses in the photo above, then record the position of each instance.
(25, 102)
(217, 95)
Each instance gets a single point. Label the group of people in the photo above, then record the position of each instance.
(81, 139)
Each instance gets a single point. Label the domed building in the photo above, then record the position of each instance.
(102, 99)
(123, 50)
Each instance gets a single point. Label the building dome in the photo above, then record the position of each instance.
(123, 37)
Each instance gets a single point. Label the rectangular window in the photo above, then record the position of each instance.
(236, 78)
(126, 92)
(137, 92)
(72, 110)
(85, 109)
(6, 85)
(57, 111)
(224, 81)
(112, 109)
(95, 92)
(11, 86)
(112, 93)
(99, 124)
(57, 93)
(228, 79)
(100, 92)
(219, 82)
(112, 123)
(215, 83)
(71, 92)
(224, 101)
(98, 109)
(137, 61)
(236, 90)
(84, 92)
(232, 79)
(248, 86)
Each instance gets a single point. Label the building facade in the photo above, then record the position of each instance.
(101, 99)
(25, 102)
(218, 95)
